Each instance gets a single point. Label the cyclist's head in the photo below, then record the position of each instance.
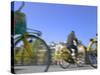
(73, 32)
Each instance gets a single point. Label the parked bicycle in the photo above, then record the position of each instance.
(92, 52)
(27, 47)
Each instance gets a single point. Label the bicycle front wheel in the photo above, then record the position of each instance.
(38, 58)
(64, 64)
(92, 58)
(65, 61)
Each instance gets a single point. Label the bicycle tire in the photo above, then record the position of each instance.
(92, 59)
(62, 65)
(65, 60)
(46, 46)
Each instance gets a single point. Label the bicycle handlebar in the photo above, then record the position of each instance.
(20, 8)
(39, 33)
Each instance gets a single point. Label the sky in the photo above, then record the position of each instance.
(56, 21)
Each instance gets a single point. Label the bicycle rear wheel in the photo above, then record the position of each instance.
(40, 56)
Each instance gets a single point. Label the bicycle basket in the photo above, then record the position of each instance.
(19, 22)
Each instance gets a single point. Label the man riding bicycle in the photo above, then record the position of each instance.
(72, 44)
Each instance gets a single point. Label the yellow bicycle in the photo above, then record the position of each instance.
(27, 47)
